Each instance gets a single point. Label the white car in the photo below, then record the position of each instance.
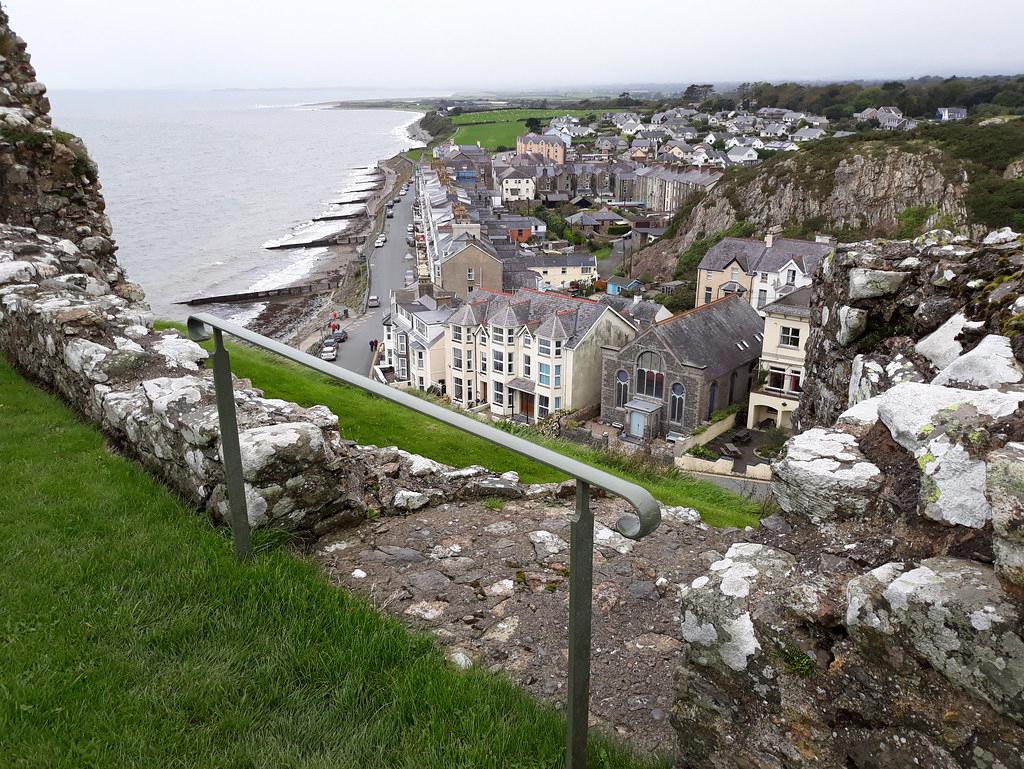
(373, 301)
(409, 257)
(380, 242)
(329, 353)
(409, 228)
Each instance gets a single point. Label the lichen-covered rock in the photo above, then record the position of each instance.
(824, 474)
(1004, 485)
(953, 616)
(990, 364)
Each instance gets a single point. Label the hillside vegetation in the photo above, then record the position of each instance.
(873, 184)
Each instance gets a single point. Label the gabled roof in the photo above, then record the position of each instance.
(716, 337)
(753, 256)
(794, 303)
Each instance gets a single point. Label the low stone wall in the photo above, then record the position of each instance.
(93, 342)
(692, 464)
(713, 430)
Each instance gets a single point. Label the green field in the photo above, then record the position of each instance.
(515, 115)
(131, 637)
(499, 128)
(368, 419)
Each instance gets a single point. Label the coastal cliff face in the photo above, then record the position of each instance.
(857, 186)
(878, 622)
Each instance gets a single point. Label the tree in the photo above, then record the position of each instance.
(533, 124)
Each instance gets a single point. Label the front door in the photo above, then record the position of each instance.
(526, 405)
(636, 424)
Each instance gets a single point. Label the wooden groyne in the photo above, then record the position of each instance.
(319, 286)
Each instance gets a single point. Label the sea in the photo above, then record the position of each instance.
(196, 182)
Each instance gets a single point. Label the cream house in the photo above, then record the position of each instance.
(528, 354)
(783, 352)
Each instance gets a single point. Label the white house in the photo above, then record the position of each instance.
(742, 155)
(518, 185)
(947, 114)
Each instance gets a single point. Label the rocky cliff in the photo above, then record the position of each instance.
(839, 186)
(879, 620)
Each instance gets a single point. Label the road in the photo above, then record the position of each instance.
(387, 271)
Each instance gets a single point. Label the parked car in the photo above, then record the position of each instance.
(329, 352)
(409, 241)
(410, 277)
(373, 301)
(409, 228)
(340, 336)
(390, 214)
(379, 242)
(409, 257)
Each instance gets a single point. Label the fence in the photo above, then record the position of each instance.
(581, 531)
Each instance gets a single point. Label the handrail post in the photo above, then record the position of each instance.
(230, 451)
(581, 579)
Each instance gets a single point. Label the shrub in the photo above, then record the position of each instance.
(702, 452)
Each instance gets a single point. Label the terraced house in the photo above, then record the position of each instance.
(528, 354)
(760, 271)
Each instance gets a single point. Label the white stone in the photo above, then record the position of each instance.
(680, 515)
(420, 466)
(180, 352)
(511, 475)
(427, 610)
(953, 489)
(502, 631)
(941, 346)
(260, 445)
(460, 659)
(695, 631)
(501, 588)
(867, 284)
(990, 364)
(1002, 235)
(85, 357)
(409, 500)
(545, 543)
(17, 272)
(358, 574)
(605, 537)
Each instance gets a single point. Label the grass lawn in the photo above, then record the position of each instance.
(603, 252)
(131, 637)
(491, 135)
(368, 419)
(506, 115)
(415, 154)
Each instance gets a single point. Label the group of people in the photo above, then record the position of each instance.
(374, 344)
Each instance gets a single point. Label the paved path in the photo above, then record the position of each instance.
(387, 271)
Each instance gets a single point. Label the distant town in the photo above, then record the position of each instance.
(519, 303)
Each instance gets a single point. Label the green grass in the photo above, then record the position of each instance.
(415, 154)
(603, 253)
(368, 419)
(131, 637)
(516, 115)
(492, 136)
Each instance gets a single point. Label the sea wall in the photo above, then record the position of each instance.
(878, 621)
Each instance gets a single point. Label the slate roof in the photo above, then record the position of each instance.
(795, 303)
(544, 313)
(642, 312)
(753, 256)
(716, 337)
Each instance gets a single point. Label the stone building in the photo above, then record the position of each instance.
(677, 372)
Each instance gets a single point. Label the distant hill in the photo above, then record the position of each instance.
(962, 176)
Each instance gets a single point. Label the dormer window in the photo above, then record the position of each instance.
(790, 277)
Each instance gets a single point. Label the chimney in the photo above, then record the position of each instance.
(769, 237)
(636, 298)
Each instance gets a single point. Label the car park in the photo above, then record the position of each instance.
(373, 301)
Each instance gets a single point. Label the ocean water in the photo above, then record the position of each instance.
(197, 182)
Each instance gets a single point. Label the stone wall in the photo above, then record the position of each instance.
(878, 622)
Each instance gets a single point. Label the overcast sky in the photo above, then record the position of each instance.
(445, 44)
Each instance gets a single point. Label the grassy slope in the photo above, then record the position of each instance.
(131, 637)
(368, 419)
(505, 115)
(499, 128)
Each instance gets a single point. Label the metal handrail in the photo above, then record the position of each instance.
(581, 531)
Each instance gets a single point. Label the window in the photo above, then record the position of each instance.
(789, 337)
(558, 376)
(564, 270)
(457, 358)
(544, 375)
(762, 297)
(419, 358)
(456, 333)
(510, 335)
(542, 406)
(676, 403)
(483, 361)
(543, 346)
(456, 388)
(498, 392)
(776, 378)
(795, 381)
(621, 388)
(649, 378)
(526, 365)
(764, 277)
(707, 294)
(403, 369)
(401, 344)
(558, 402)
(734, 273)
(421, 383)
(790, 277)
(510, 364)
(498, 361)
(470, 275)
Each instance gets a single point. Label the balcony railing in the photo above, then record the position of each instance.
(643, 521)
